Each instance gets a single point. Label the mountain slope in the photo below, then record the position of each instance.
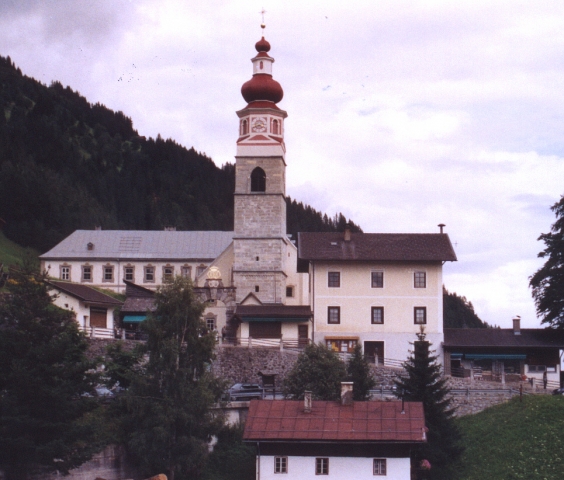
(67, 164)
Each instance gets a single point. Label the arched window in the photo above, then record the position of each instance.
(244, 130)
(258, 180)
(275, 127)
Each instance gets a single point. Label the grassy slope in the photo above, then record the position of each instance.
(515, 440)
(12, 254)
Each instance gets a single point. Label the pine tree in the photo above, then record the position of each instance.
(168, 420)
(360, 373)
(548, 282)
(423, 382)
(45, 377)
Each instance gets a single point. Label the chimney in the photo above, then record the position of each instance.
(307, 401)
(517, 325)
(347, 232)
(346, 393)
(441, 226)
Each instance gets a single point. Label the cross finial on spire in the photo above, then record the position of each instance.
(262, 25)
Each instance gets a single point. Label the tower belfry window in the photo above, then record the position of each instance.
(258, 180)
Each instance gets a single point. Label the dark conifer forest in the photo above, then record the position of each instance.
(66, 164)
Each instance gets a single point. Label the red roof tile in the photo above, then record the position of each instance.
(283, 420)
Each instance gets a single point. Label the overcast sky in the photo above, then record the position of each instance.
(401, 114)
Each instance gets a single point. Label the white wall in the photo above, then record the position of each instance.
(345, 468)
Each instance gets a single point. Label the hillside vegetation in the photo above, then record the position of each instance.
(66, 164)
(515, 441)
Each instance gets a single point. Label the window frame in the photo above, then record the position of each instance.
(213, 319)
(333, 279)
(322, 465)
(200, 269)
(280, 464)
(422, 309)
(290, 289)
(146, 274)
(380, 281)
(374, 309)
(166, 275)
(83, 278)
(337, 310)
(125, 273)
(420, 279)
(105, 270)
(377, 465)
(65, 272)
(186, 271)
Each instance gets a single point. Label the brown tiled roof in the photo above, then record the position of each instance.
(420, 247)
(273, 310)
(134, 290)
(138, 305)
(85, 293)
(282, 420)
(503, 338)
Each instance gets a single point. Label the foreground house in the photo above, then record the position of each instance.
(504, 354)
(338, 440)
(93, 310)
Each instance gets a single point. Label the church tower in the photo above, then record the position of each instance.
(260, 242)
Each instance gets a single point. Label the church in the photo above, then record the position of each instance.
(260, 286)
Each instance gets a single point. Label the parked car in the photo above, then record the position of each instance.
(558, 391)
(244, 391)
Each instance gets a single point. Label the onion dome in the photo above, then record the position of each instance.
(262, 86)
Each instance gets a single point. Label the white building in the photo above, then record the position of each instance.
(376, 289)
(362, 440)
(369, 288)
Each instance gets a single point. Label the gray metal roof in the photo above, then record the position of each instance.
(141, 244)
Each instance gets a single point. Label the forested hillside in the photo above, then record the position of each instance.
(67, 164)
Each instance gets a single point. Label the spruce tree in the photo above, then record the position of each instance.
(360, 373)
(46, 383)
(424, 382)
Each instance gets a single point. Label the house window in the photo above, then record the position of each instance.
(168, 273)
(129, 273)
(377, 279)
(258, 180)
(420, 280)
(420, 315)
(86, 273)
(149, 276)
(65, 273)
(379, 466)
(200, 270)
(289, 291)
(210, 322)
(108, 274)
(257, 289)
(377, 315)
(334, 315)
(280, 464)
(334, 279)
(322, 466)
(186, 272)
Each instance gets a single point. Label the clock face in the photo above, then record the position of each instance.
(258, 124)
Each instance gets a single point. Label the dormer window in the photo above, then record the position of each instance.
(258, 180)
(90, 246)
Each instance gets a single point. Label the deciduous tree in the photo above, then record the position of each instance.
(168, 420)
(318, 370)
(360, 373)
(548, 282)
